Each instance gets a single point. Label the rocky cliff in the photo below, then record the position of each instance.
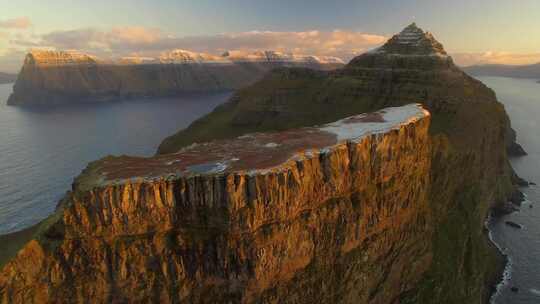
(470, 135)
(49, 77)
(335, 213)
(387, 207)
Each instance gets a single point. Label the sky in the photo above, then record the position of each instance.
(472, 31)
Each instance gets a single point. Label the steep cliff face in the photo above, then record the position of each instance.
(49, 77)
(336, 213)
(470, 132)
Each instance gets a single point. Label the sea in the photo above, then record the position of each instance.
(43, 148)
(521, 98)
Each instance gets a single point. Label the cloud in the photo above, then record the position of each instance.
(467, 59)
(118, 39)
(121, 41)
(16, 23)
(150, 42)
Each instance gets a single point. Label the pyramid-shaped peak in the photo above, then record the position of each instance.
(412, 28)
(412, 40)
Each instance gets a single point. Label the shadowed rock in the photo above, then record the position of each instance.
(50, 77)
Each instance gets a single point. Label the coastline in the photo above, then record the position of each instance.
(502, 273)
(54, 100)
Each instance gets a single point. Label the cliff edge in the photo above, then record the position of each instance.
(332, 213)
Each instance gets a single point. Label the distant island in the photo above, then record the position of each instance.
(7, 78)
(531, 71)
(52, 77)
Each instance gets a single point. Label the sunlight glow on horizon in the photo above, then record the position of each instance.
(496, 31)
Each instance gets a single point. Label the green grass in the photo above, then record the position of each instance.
(13, 242)
(44, 232)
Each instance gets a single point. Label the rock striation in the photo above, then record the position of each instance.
(412, 41)
(470, 136)
(320, 214)
(49, 77)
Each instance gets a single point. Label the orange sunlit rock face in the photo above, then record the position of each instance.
(315, 220)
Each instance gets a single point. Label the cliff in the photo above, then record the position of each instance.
(335, 213)
(49, 77)
(333, 207)
(470, 134)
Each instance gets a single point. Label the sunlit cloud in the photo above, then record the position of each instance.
(121, 41)
(150, 42)
(16, 23)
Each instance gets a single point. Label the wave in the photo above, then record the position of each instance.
(507, 273)
(535, 291)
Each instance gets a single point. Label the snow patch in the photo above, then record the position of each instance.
(393, 118)
(271, 145)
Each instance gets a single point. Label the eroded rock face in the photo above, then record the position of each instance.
(343, 218)
(470, 133)
(49, 77)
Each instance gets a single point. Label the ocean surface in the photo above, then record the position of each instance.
(43, 148)
(521, 98)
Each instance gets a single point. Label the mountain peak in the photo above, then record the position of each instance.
(412, 40)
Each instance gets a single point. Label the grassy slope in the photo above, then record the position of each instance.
(303, 99)
(464, 261)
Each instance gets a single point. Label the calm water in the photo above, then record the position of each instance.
(43, 149)
(522, 101)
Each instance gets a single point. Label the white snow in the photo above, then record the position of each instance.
(275, 56)
(271, 145)
(179, 56)
(394, 118)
